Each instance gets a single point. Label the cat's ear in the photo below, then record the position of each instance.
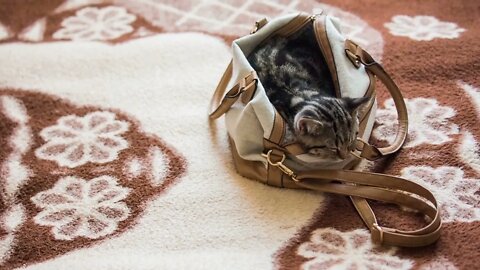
(308, 126)
(352, 104)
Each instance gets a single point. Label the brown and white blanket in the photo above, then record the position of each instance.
(106, 160)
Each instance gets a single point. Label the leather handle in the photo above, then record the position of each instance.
(221, 102)
(361, 186)
(359, 56)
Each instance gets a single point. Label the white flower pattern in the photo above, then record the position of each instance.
(75, 207)
(423, 28)
(76, 140)
(96, 24)
(428, 122)
(458, 197)
(332, 249)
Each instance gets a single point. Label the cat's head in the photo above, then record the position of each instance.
(328, 128)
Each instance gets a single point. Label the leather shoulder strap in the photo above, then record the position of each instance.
(363, 185)
(359, 56)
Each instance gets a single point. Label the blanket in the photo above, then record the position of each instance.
(107, 160)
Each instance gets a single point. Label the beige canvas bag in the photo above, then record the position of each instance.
(256, 130)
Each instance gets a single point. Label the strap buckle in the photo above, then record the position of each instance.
(279, 164)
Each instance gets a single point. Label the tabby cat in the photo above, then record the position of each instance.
(298, 83)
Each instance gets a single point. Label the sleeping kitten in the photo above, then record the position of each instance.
(298, 83)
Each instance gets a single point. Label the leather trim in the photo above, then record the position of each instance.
(294, 25)
(365, 111)
(278, 129)
(324, 44)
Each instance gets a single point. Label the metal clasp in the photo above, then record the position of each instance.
(286, 170)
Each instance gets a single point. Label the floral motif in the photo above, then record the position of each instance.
(332, 249)
(75, 207)
(423, 28)
(96, 24)
(458, 197)
(76, 140)
(428, 122)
